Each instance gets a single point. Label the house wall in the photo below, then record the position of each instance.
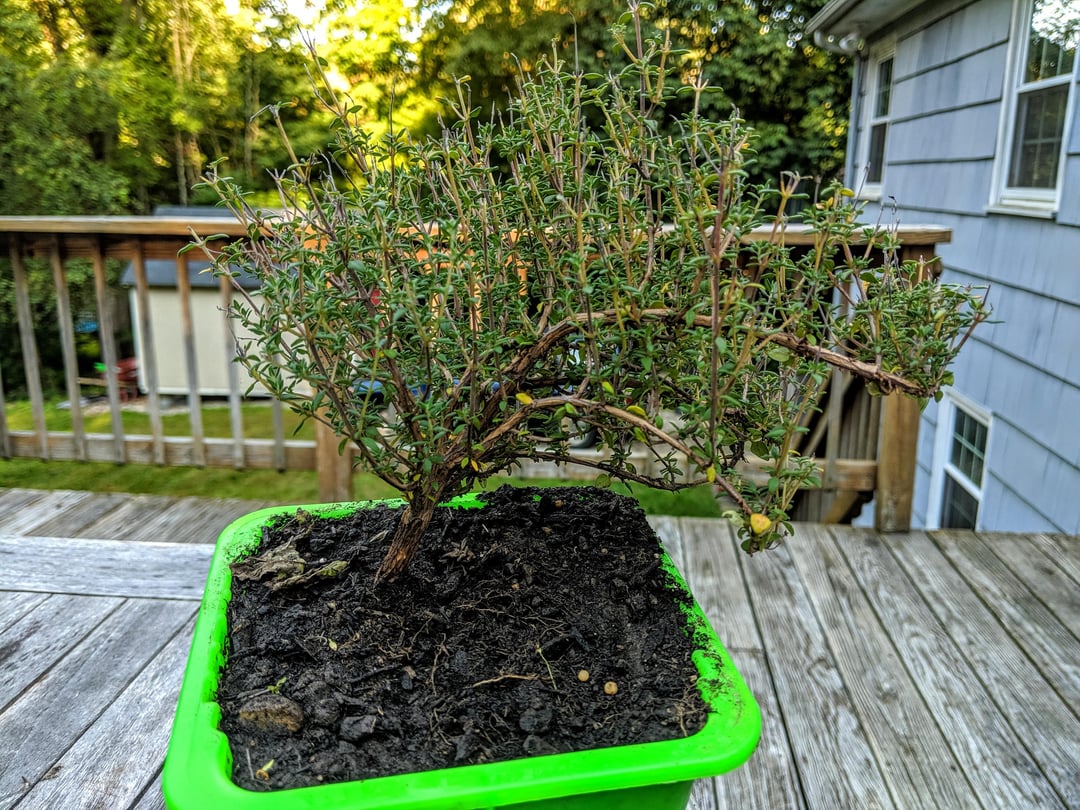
(949, 80)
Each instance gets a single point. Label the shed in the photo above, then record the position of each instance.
(209, 324)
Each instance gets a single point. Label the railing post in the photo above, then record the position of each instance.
(896, 463)
(899, 445)
(334, 469)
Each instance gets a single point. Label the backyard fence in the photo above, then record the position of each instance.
(183, 346)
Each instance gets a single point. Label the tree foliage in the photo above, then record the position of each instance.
(116, 107)
(752, 53)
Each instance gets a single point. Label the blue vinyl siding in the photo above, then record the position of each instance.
(969, 133)
(950, 77)
(968, 29)
(975, 79)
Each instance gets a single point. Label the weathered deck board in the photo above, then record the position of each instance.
(104, 567)
(85, 778)
(58, 708)
(818, 707)
(1032, 708)
(1055, 589)
(191, 520)
(892, 670)
(118, 516)
(1038, 632)
(990, 755)
(72, 521)
(152, 798)
(17, 519)
(1062, 550)
(40, 638)
(128, 520)
(13, 501)
(173, 520)
(912, 754)
(14, 605)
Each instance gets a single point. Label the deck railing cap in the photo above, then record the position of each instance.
(157, 226)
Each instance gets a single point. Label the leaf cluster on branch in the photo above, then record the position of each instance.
(450, 305)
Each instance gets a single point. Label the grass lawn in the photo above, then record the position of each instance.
(257, 418)
(267, 485)
(270, 485)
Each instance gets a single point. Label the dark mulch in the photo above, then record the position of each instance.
(478, 654)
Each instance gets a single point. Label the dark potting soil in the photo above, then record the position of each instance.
(541, 623)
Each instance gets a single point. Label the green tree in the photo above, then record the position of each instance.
(751, 53)
(116, 107)
(370, 45)
(505, 284)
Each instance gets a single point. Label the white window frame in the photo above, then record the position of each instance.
(942, 465)
(880, 53)
(1019, 199)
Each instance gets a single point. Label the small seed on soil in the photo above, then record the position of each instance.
(583, 675)
(611, 688)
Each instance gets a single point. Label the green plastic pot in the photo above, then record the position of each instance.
(649, 776)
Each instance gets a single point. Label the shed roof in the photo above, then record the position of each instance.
(858, 17)
(163, 272)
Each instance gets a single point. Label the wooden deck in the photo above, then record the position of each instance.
(919, 670)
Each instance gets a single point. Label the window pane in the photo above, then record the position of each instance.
(1040, 123)
(968, 450)
(876, 156)
(980, 442)
(958, 508)
(1055, 29)
(884, 89)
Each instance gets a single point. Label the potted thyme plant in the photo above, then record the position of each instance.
(457, 305)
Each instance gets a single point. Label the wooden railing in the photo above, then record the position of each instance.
(865, 446)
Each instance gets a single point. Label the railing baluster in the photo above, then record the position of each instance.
(67, 348)
(835, 419)
(277, 412)
(235, 415)
(874, 430)
(183, 287)
(107, 337)
(5, 439)
(149, 370)
(31, 364)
